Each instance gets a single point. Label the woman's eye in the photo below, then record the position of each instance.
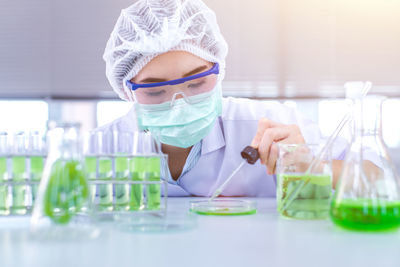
(196, 85)
(156, 93)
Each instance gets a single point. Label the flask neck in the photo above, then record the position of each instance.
(64, 142)
(367, 117)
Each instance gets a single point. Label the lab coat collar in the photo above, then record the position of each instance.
(215, 139)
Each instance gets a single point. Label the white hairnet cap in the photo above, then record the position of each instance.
(149, 28)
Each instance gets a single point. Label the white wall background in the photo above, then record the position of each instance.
(278, 48)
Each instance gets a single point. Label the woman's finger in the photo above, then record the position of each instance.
(272, 158)
(271, 135)
(263, 125)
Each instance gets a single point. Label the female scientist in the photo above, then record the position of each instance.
(168, 58)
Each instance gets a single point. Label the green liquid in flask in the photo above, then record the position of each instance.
(313, 200)
(153, 191)
(66, 191)
(121, 190)
(18, 191)
(4, 206)
(36, 174)
(366, 214)
(137, 170)
(105, 190)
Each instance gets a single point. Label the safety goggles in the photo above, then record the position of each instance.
(189, 87)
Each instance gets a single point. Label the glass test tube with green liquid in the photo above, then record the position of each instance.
(37, 164)
(18, 191)
(153, 191)
(121, 190)
(4, 205)
(105, 190)
(138, 172)
(91, 172)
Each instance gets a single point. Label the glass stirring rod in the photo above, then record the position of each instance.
(249, 155)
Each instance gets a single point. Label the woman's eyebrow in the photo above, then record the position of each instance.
(158, 80)
(152, 80)
(196, 70)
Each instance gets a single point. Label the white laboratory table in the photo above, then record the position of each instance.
(262, 239)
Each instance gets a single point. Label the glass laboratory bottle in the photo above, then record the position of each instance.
(367, 197)
(63, 196)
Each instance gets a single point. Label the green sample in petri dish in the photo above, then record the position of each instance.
(66, 192)
(121, 190)
(37, 164)
(105, 190)
(4, 205)
(366, 214)
(18, 190)
(223, 207)
(137, 169)
(90, 170)
(312, 202)
(153, 191)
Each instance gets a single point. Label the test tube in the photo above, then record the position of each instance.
(153, 191)
(137, 174)
(147, 167)
(122, 143)
(90, 151)
(36, 150)
(105, 172)
(4, 205)
(19, 174)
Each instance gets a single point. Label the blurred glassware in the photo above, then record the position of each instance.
(367, 196)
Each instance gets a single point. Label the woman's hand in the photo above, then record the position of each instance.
(269, 133)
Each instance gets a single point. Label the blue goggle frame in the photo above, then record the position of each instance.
(134, 86)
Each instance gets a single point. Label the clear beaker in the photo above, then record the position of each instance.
(367, 196)
(303, 192)
(63, 191)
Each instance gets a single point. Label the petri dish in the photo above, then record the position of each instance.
(223, 207)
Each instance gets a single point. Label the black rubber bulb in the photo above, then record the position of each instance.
(250, 154)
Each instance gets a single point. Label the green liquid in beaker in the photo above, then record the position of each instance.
(18, 191)
(66, 191)
(4, 206)
(121, 190)
(137, 170)
(366, 214)
(90, 169)
(37, 163)
(153, 191)
(313, 200)
(105, 190)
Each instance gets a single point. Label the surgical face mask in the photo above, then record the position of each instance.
(182, 122)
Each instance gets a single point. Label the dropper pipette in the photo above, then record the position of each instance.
(249, 155)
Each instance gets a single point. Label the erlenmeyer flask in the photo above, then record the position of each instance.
(367, 196)
(63, 196)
